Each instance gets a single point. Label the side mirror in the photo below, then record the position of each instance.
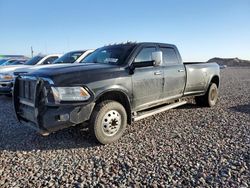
(157, 58)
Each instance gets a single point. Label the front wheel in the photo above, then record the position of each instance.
(210, 98)
(108, 121)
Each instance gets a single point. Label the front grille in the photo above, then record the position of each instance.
(28, 99)
(26, 88)
(24, 98)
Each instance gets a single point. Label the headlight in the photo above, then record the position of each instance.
(6, 76)
(70, 94)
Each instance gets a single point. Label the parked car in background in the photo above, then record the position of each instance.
(3, 60)
(11, 58)
(42, 60)
(14, 62)
(7, 72)
(114, 85)
(18, 62)
(68, 58)
(73, 57)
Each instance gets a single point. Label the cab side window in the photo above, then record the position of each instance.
(169, 56)
(49, 60)
(145, 55)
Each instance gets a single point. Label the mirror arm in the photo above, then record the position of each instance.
(134, 65)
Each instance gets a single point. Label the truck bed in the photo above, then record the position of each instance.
(198, 75)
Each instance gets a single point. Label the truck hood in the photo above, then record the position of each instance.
(65, 74)
(37, 67)
(12, 68)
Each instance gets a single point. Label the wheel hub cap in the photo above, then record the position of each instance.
(111, 123)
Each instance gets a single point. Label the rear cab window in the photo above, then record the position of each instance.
(169, 56)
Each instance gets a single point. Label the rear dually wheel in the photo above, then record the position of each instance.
(210, 98)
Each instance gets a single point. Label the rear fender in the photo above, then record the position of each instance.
(212, 77)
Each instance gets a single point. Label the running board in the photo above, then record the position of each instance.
(159, 110)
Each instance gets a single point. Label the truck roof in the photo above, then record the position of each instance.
(140, 43)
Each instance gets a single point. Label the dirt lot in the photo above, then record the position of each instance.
(188, 146)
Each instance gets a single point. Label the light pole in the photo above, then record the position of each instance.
(32, 52)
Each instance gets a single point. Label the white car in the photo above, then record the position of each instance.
(7, 72)
(73, 57)
(68, 58)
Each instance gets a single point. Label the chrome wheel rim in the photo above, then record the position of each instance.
(111, 123)
(213, 94)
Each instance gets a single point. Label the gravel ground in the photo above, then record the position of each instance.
(188, 146)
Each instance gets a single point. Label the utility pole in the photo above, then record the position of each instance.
(32, 52)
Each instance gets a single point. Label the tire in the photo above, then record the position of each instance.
(108, 121)
(210, 98)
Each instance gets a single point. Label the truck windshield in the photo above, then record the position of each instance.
(115, 54)
(70, 57)
(34, 60)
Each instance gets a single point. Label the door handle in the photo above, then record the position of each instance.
(180, 70)
(157, 73)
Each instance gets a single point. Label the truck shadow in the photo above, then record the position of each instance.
(241, 108)
(16, 137)
(28, 140)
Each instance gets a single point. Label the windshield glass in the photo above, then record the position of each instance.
(70, 57)
(115, 55)
(9, 62)
(2, 61)
(34, 60)
(18, 62)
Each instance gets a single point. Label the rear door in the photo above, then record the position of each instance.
(147, 81)
(174, 73)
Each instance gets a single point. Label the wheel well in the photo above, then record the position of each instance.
(120, 97)
(215, 80)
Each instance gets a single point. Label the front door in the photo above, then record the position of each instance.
(147, 81)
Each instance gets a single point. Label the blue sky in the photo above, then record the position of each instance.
(201, 29)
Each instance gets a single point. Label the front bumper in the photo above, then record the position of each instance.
(33, 108)
(6, 87)
(54, 118)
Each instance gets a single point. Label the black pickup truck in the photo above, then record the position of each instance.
(113, 87)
